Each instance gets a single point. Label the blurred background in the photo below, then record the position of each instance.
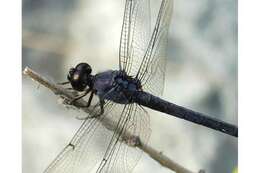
(201, 74)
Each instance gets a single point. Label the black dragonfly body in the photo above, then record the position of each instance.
(142, 54)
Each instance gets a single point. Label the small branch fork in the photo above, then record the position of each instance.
(64, 93)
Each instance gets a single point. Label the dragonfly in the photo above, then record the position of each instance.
(142, 58)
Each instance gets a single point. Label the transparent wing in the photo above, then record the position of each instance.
(121, 156)
(138, 125)
(152, 69)
(98, 144)
(86, 148)
(135, 35)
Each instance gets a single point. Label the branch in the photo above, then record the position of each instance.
(62, 92)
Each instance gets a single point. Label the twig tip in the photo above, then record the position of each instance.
(25, 71)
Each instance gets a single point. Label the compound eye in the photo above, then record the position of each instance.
(84, 67)
(88, 70)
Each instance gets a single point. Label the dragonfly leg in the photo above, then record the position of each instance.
(90, 99)
(69, 88)
(94, 115)
(63, 83)
(80, 96)
(102, 102)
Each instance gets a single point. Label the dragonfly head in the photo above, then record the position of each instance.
(80, 77)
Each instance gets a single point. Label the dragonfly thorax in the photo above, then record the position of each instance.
(125, 82)
(112, 85)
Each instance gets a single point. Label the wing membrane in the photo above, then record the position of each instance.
(152, 69)
(76, 153)
(98, 146)
(121, 157)
(135, 35)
